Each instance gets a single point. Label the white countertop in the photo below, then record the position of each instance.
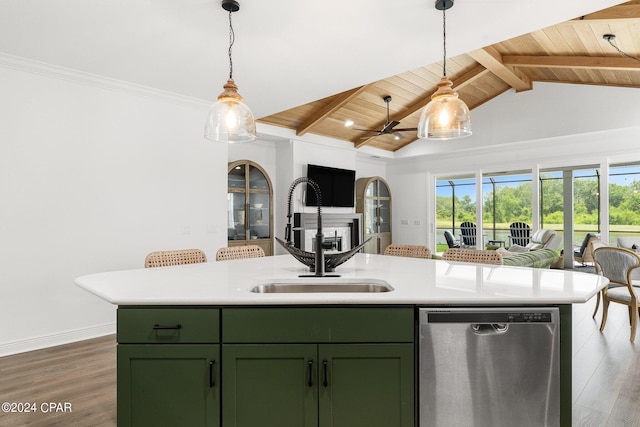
(415, 281)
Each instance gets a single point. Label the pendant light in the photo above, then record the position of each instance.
(229, 119)
(446, 116)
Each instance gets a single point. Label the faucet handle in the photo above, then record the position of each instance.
(287, 234)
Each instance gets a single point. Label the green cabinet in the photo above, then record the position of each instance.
(269, 385)
(359, 372)
(168, 367)
(307, 385)
(266, 366)
(366, 385)
(168, 385)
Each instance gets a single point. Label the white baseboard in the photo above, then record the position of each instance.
(52, 340)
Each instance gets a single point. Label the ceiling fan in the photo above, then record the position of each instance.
(389, 127)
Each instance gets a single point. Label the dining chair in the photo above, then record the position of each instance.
(617, 264)
(473, 255)
(593, 245)
(239, 252)
(412, 251)
(176, 257)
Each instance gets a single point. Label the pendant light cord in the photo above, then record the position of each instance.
(610, 40)
(232, 39)
(444, 42)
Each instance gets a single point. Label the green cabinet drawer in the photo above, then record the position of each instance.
(168, 325)
(317, 324)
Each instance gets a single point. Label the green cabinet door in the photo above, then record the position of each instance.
(269, 385)
(168, 385)
(325, 385)
(366, 385)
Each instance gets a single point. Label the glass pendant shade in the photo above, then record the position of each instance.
(446, 116)
(230, 120)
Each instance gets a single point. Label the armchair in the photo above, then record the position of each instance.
(520, 234)
(583, 254)
(451, 241)
(468, 233)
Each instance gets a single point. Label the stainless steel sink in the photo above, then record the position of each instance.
(366, 286)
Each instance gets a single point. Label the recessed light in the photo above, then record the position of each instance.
(348, 123)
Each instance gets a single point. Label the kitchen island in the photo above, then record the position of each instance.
(198, 345)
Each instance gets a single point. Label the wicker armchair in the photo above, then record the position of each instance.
(239, 252)
(408, 251)
(472, 255)
(177, 257)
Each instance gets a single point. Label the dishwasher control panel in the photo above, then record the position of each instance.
(489, 317)
(530, 317)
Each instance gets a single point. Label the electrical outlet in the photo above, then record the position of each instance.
(416, 222)
(404, 222)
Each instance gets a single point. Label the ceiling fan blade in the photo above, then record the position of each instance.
(406, 130)
(367, 130)
(388, 127)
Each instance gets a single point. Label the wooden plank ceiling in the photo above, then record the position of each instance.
(571, 52)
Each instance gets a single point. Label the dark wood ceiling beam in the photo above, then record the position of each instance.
(338, 103)
(583, 62)
(466, 79)
(491, 59)
(629, 10)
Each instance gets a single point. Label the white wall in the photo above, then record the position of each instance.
(409, 206)
(94, 175)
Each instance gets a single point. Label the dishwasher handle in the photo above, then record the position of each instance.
(489, 328)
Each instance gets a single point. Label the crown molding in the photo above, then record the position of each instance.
(80, 77)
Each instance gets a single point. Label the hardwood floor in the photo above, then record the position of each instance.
(606, 369)
(81, 374)
(606, 377)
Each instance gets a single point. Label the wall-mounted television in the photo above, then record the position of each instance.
(337, 186)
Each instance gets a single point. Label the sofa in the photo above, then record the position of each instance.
(541, 239)
(537, 258)
(633, 244)
(628, 242)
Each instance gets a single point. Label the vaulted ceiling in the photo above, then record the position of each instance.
(570, 52)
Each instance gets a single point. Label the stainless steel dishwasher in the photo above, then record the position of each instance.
(489, 367)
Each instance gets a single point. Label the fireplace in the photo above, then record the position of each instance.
(339, 237)
(343, 231)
